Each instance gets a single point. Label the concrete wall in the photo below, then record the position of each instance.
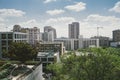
(36, 74)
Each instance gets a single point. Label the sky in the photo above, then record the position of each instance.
(59, 13)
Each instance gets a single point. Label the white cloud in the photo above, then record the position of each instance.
(1, 20)
(80, 6)
(55, 12)
(101, 20)
(6, 21)
(24, 24)
(90, 24)
(29, 23)
(11, 12)
(2, 24)
(48, 1)
(116, 8)
(60, 20)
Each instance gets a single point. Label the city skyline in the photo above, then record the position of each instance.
(60, 13)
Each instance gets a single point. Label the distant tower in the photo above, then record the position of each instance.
(49, 28)
(48, 36)
(74, 30)
(116, 35)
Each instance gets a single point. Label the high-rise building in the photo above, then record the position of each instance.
(74, 30)
(116, 35)
(45, 36)
(49, 28)
(48, 36)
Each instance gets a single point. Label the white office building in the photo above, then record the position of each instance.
(71, 44)
(88, 42)
(74, 44)
(33, 33)
(7, 37)
(103, 41)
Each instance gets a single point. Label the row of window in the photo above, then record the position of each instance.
(6, 42)
(10, 36)
(45, 59)
(20, 40)
(6, 36)
(18, 36)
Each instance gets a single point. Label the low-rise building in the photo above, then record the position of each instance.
(70, 44)
(87, 42)
(51, 47)
(7, 37)
(33, 33)
(47, 58)
(115, 44)
(103, 41)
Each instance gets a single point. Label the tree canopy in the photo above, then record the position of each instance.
(91, 64)
(21, 52)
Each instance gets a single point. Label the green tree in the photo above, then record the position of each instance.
(92, 64)
(21, 52)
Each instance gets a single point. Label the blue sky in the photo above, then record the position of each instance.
(59, 13)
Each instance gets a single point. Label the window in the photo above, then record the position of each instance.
(44, 64)
(4, 42)
(10, 36)
(43, 59)
(37, 59)
(3, 36)
(50, 59)
(15, 36)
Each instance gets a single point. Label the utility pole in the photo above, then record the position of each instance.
(98, 31)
